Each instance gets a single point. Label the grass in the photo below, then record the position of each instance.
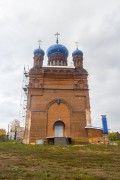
(41, 162)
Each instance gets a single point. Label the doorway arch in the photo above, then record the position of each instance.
(58, 120)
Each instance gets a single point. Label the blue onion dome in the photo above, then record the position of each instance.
(38, 51)
(57, 49)
(77, 52)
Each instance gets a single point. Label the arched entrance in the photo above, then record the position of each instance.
(58, 120)
(59, 128)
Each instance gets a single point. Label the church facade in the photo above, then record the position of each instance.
(58, 105)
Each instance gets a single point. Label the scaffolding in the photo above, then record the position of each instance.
(23, 99)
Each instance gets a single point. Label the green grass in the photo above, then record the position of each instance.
(80, 162)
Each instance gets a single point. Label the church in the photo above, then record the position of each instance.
(58, 103)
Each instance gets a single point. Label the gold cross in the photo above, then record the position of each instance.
(77, 44)
(39, 42)
(57, 34)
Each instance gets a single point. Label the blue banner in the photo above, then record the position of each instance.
(104, 124)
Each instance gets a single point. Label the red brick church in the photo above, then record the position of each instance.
(58, 106)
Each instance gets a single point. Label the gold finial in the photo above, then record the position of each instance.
(39, 41)
(76, 44)
(57, 34)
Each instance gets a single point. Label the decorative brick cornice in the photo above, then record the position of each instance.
(36, 70)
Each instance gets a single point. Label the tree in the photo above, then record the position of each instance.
(2, 132)
(113, 136)
(14, 125)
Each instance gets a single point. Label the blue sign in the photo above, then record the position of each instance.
(104, 124)
(58, 101)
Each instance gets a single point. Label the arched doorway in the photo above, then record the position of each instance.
(59, 128)
(58, 113)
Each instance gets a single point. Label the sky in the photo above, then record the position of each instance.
(94, 24)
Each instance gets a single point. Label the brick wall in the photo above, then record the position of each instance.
(95, 135)
(42, 103)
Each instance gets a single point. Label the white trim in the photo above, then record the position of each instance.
(92, 127)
